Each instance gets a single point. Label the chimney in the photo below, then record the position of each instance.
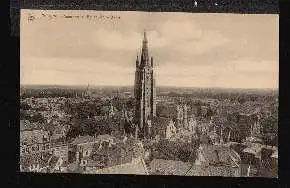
(229, 136)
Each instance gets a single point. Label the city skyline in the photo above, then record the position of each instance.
(215, 50)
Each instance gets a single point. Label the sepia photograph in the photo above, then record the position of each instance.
(149, 93)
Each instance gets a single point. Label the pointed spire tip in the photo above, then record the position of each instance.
(145, 36)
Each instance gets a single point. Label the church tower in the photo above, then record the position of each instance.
(144, 91)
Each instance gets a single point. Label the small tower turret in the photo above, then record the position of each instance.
(137, 61)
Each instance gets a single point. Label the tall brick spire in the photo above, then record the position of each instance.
(144, 91)
(144, 55)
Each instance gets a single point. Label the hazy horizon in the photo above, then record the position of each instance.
(182, 87)
(190, 50)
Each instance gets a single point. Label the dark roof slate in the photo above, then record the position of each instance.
(160, 122)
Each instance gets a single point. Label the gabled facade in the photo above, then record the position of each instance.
(161, 127)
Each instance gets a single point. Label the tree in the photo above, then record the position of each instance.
(37, 118)
(130, 103)
(24, 106)
(184, 152)
(199, 111)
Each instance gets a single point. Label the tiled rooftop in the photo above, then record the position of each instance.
(137, 167)
(219, 154)
(160, 122)
(83, 139)
(168, 167)
(201, 170)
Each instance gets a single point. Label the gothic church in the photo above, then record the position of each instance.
(144, 91)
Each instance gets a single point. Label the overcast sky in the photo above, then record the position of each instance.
(189, 50)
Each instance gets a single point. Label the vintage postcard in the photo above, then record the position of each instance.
(150, 93)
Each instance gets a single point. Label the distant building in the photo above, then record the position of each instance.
(168, 111)
(144, 91)
(182, 115)
(192, 124)
(162, 127)
(81, 147)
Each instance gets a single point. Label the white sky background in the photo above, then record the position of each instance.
(189, 50)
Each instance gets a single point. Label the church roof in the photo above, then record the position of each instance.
(220, 155)
(254, 149)
(160, 122)
(167, 111)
